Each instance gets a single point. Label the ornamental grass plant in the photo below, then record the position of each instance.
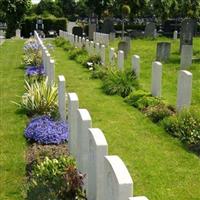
(39, 99)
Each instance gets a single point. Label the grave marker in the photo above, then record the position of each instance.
(72, 119)
(120, 60)
(98, 148)
(61, 97)
(118, 184)
(156, 84)
(136, 65)
(163, 51)
(184, 92)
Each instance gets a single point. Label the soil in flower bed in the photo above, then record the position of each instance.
(37, 152)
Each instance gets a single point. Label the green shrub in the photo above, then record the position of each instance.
(59, 41)
(141, 99)
(171, 125)
(63, 43)
(95, 60)
(50, 23)
(76, 52)
(39, 99)
(100, 72)
(159, 112)
(56, 179)
(120, 82)
(186, 126)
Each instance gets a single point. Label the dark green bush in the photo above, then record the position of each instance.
(50, 23)
(56, 179)
(159, 112)
(141, 99)
(120, 82)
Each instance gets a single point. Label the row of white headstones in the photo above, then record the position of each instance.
(184, 89)
(107, 177)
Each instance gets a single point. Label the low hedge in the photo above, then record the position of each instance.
(50, 23)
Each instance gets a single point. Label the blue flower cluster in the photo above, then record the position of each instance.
(33, 70)
(33, 46)
(45, 130)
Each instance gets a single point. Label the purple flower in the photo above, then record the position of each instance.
(33, 70)
(45, 130)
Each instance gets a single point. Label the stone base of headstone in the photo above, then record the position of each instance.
(163, 51)
(186, 56)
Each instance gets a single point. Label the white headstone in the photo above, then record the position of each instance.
(76, 41)
(51, 72)
(87, 45)
(156, 84)
(136, 65)
(61, 97)
(46, 69)
(73, 105)
(112, 56)
(186, 56)
(175, 35)
(103, 54)
(138, 198)
(91, 48)
(184, 92)
(84, 123)
(118, 184)
(120, 60)
(97, 48)
(18, 33)
(98, 148)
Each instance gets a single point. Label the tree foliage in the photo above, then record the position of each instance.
(49, 7)
(15, 11)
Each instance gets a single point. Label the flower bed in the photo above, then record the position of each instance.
(45, 130)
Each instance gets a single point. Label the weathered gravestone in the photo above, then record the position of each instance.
(18, 33)
(77, 31)
(125, 45)
(150, 29)
(187, 32)
(163, 51)
(108, 26)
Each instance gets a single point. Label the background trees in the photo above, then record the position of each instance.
(14, 12)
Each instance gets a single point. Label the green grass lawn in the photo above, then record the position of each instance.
(146, 49)
(12, 142)
(160, 166)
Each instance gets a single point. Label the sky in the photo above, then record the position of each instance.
(35, 1)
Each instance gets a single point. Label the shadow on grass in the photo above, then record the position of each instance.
(196, 60)
(20, 112)
(21, 67)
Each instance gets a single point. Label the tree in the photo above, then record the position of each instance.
(97, 6)
(68, 7)
(46, 7)
(162, 8)
(190, 8)
(15, 11)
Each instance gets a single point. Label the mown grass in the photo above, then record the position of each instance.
(160, 166)
(12, 123)
(146, 49)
